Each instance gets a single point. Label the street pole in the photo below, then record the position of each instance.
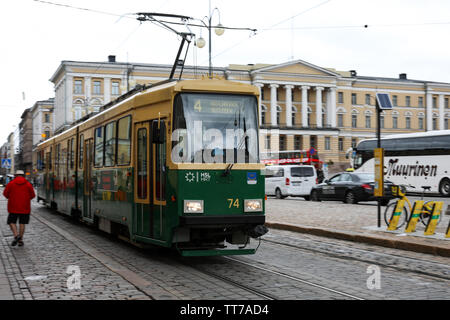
(379, 146)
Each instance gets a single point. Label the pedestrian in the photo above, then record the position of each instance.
(19, 193)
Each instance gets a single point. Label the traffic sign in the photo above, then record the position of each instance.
(6, 163)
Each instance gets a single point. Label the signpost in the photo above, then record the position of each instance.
(379, 172)
(383, 102)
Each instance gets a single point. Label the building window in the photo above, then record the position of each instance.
(78, 87)
(278, 115)
(408, 122)
(282, 142)
(434, 102)
(446, 123)
(97, 88)
(327, 143)
(47, 134)
(394, 100)
(341, 144)
(408, 101)
(354, 141)
(313, 142)
(381, 121)
(115, 88)
(263, 117)
(421, 123)
(368, 98)
(340, 120)
(262, 93)
(293, 118)
(46, 117)
(395, 122)
(353, 98)
(420, 102)
(368, 121)
(446, 103)
(340, 97)
(354, 120)
(434, 123)
(267, 142)
(297, 142)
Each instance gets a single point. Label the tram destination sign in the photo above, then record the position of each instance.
(217, 106)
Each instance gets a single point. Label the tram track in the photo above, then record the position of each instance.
(137, 276)
(337, 253)
(264, 293)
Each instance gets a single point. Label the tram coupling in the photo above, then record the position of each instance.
(257, 231)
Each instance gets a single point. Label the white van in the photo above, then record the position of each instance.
(290, 180)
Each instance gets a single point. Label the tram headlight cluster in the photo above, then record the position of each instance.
(253, 205)
(193, 206)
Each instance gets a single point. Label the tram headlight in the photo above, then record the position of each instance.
(193, 206)
(252, 205)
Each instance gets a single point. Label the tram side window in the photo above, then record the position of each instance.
(160, 171)
(110, 144)
(81, 148)
(98, 154)
(142, 163)
(72, 159)
(124, 141)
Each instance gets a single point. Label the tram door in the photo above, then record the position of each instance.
(87, 180)
(47, 176)
(149, 183)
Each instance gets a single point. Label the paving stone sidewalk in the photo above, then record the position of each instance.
(352, 222)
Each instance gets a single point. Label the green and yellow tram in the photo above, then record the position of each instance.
(174, 164)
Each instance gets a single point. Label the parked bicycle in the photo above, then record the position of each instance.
(399, 191)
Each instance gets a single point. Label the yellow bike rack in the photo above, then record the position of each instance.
(434, 219)
(396, 215)
(412, 222)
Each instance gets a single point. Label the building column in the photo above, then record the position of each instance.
(319, 107)
(273, 104)
(107, 90)
(429, 111)
(68, 101)
(332, 115)
(289, 105)
(441, 112)
(260, 87)
(305, 106)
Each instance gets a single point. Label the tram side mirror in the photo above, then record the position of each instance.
(158, 131)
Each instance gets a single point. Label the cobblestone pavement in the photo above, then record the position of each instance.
(113, 269)
(347, 218)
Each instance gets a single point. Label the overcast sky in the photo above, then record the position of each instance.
(403, 36)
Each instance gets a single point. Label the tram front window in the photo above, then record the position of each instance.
(215, 128)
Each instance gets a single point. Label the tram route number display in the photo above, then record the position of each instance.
(217, 106)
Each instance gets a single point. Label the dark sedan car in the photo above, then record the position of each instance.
(350, 187)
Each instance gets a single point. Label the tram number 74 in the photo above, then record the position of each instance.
(233, 203)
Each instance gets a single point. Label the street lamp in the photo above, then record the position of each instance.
(218, 29)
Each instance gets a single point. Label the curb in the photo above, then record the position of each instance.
(358, 237)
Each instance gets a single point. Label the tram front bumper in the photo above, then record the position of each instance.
(225, 221)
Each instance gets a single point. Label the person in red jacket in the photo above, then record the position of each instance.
(19, 193)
